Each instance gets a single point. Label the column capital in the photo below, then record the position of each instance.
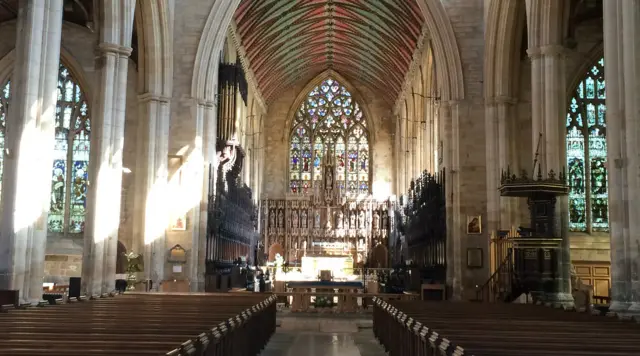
(206, 103)
(553, 50)
(112, 48)
(501, 100)
(448, 103)
(534, 53)
(145, 97)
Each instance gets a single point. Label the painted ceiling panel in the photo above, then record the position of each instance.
(371, 41)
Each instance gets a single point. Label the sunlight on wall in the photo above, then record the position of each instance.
(31, 197)
(381, 190)
(106, 219)
(184, 189)
(157, 214)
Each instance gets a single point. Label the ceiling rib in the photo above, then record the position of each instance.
(290, 40)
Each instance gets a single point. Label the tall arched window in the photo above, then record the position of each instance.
(587, 154)
(329, 120)
(71, 155)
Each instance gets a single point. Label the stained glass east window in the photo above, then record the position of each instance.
(331, 122)
(69, 171)
(587, 154)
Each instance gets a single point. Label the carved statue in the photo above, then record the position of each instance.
(339, 220)
(280, 219)
(361, 219)
(316, 223)
(376, 221)
(303, 218)
(272, 219)
(328, 180)
(352, 220)
(294, 219)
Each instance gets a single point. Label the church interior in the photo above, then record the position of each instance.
(204, 172)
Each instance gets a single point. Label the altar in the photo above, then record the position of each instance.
(341, 267)
(326, 221)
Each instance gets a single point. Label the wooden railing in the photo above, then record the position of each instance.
(339, 302)
(505, 282)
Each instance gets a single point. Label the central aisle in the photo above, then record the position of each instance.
(291, 343)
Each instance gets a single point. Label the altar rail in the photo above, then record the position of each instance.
(346, 302)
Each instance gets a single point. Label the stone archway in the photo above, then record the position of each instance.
(205, 72)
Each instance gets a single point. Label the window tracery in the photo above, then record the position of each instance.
(70, 155)
(587, 153)
(329, 121)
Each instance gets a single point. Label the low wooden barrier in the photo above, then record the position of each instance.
(142, 324)
(346, 302)
(463, 329)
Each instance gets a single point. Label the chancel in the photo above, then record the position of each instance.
(319, 177)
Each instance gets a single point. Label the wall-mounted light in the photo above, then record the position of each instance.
(126, 170)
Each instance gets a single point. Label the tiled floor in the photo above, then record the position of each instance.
(291, 343)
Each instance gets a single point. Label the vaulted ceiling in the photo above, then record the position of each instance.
(371, 41)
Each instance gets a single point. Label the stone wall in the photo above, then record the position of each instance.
(58, 268)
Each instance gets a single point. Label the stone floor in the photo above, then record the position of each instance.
(323, 336)
(290, 343)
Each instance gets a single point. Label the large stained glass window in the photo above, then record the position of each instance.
(70, 157)
(587, 154)
(329, 122)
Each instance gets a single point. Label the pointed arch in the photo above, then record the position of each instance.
(302, 95)
(329, 127)
(586, 147)
(503, 38)
(72, 143)
(155, 53)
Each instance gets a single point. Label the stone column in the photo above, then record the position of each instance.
(555, 155)
(152, 206)
(105, 170)
(494, 164)
(630, 13)
(537, 104)
(450, 133)
(26, 189)
(206, 126)
(404, 168)
(616, 146)
(506, 157)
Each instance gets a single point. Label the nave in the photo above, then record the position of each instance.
(316, 343)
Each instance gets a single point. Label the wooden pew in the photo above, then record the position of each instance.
(424, 328)
(142, 324)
